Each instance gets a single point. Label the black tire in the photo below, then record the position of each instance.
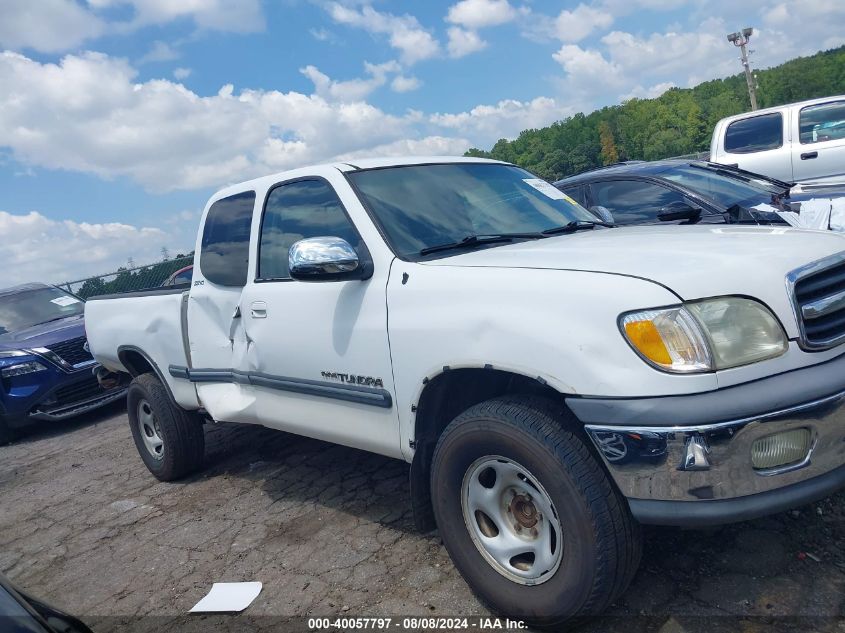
(181, 432)
(6, 434)
(601, 540)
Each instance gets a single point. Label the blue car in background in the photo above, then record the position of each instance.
(46, 370)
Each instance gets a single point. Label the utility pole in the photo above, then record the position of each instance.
(741, 39)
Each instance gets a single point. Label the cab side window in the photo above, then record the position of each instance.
(296, 211)
(224, 254)
(823, 122)
(633, 201)
(755, 134)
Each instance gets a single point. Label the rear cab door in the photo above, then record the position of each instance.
(819, 147)
(218, 344)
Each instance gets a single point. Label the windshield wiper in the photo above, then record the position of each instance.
(576, 225)
(471, 241)
(58, 318)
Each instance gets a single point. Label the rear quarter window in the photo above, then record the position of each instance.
(224, 255)
(755, 134)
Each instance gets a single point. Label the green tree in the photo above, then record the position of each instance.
(680, 121)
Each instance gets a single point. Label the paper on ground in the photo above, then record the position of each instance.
(228, 596)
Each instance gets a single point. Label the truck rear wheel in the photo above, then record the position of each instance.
(528, 515)
(169, 439)
(6, 434)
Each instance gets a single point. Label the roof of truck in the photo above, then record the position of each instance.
(352, 164)
(779, 108)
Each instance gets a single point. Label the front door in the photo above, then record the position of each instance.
(320, 359)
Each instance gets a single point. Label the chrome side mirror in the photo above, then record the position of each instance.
(325, 259)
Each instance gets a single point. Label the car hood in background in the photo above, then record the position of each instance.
(693, 261)
(44, 334)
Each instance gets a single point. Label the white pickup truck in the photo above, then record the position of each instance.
(552, 382)
(796, 142)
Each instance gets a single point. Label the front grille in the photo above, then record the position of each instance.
(819, 295)
(72, 351)
(77, 392)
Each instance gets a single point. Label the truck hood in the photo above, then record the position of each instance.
(693, 262)
(44, 334)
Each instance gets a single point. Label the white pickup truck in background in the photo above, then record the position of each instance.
(797, 142)
(552, 382)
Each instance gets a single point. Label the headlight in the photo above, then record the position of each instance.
(705, 335)
(21, 369)
(740, 331)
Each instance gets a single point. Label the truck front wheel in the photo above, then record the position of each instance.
(528, 515)
(169, 439)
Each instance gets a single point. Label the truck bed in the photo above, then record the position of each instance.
(120, 326)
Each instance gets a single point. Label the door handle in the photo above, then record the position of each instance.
(809, 155)
(258, 310)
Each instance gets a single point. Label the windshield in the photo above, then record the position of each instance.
(420, 206)
(724, 189)
(21, 310)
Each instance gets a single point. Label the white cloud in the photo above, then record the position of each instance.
(506, 119)
(237, 16)
(401, 83)
(89, 114)
(640, 92)
(322, 35)
(53, 26)
(575, 25)
(159, 52)
(428, 146)
(47, 26)
(404, 32)
(181, 73)
(463, 42)
(351, 89)
(37, 248)
(478, 14)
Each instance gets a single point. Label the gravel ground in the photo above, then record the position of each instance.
(328, 530)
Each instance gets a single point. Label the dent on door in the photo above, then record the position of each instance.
(224, 345)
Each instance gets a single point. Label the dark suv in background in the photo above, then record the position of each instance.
(679, 191)
(46, 369)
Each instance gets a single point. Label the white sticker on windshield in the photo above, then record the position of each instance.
(64, 300)
(545, 188)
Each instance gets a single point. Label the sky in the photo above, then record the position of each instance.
(119, 118)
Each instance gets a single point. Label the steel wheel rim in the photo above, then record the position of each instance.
(150, 430)
(512, 520)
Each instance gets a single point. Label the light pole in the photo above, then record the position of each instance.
(741, 39)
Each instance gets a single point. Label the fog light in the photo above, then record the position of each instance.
(780, 449)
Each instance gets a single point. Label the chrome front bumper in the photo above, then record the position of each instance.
(712, 462)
